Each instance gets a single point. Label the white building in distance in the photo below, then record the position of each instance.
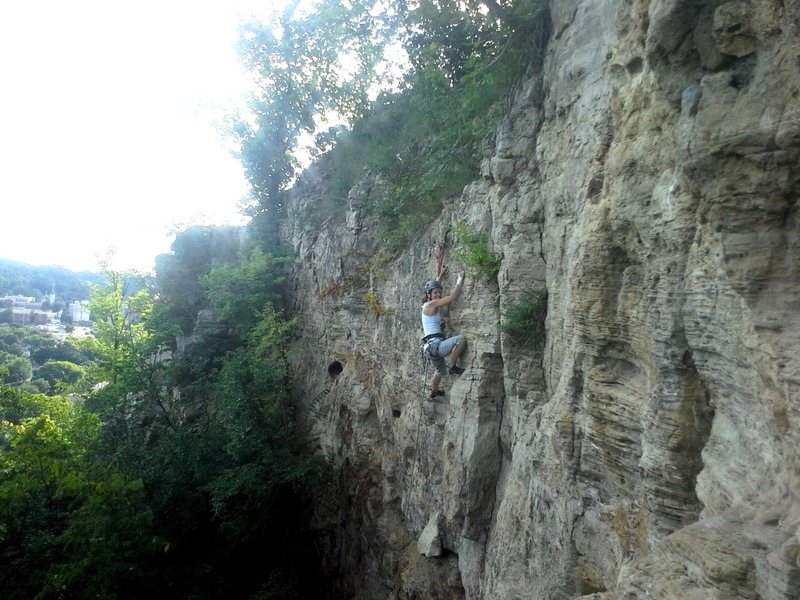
(79, 312)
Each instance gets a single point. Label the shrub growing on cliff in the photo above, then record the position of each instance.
(524, 321)
(472, 250)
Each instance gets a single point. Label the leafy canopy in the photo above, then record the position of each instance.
(423, 134)
(69, 527)
(309, 67)
(120, 308)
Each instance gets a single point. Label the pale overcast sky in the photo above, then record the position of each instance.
(107, 135)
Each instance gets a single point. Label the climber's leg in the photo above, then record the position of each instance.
(452, 348)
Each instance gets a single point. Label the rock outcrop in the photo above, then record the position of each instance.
(647, 179)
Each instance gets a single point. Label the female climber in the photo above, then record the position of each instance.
(435, 346)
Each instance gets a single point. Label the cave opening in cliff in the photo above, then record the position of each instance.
(335, 369)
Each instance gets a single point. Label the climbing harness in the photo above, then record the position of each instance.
(428, 343)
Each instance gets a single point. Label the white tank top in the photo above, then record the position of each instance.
(431, 323)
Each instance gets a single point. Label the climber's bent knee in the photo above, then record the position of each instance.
(447, 346)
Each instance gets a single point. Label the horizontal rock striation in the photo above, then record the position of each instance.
(646, 446)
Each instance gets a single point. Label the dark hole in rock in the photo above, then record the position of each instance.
(739, 80)
(396, 413)
(635, 66)
(335, 368)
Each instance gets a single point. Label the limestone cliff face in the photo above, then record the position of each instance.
(647, 178)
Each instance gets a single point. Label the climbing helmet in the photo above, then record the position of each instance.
(431, 285)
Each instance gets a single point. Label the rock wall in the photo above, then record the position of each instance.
(647, 178)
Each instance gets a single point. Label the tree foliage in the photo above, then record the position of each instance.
(465, 59)
(25, 351)
(68, 526)
(17, 370)
(424, 135)
(61, 375)
(119, 311)
(210, 431)
(178, 274)
(184, 477)
(309, 65)
(238, 293)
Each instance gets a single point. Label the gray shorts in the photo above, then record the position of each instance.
(439, 349)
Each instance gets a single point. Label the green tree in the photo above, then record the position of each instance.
(186, 494)
(310, 67)
(69, 528)
(126, 359)
(50, 349)
(234, 463)
(18, 370)
(28, 343)
(28, 280)
(121, 341)
(459, 38)
(179, 274)
(61, 375)
(10, 341)
(425, 136)
(238, 293)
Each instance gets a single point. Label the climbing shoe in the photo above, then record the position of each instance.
(455, 370)
(437, 393)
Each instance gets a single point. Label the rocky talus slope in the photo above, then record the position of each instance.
(647, 178)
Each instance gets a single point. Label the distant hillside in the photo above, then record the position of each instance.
(30, 280)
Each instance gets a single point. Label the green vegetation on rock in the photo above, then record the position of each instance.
(472, 249)
(423, 134)
(524, 321)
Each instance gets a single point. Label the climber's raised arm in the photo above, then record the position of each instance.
(433, 290)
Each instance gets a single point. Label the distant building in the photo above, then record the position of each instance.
(79, 312)
(28, 316)
(20, 302)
